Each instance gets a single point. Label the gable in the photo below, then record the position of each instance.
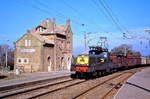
(28, 40)
(68, 30)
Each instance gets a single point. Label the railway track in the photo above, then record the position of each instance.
(8, 88)
(87, 89)
(72, 88)
(116, 86)
(106, 87)
(38, 90)
(21, 88)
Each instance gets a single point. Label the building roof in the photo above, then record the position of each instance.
(42, 38)
(49, 27)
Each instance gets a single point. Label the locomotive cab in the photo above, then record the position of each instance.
(82, 63)
(99, 53)
(93, 62)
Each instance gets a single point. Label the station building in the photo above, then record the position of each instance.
(46, 47)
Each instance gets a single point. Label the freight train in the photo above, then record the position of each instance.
(99, 61)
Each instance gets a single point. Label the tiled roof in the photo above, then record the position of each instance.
(42, 38)
(48, 27)
(52, 28)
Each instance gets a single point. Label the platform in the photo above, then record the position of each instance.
(136, 87)
(31, 77)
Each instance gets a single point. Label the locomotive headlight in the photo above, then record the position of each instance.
(102, 60)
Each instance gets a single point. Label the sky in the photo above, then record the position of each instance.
(100, 18)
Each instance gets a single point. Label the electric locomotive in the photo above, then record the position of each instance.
(95, 63)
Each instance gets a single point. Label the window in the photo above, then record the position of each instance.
(26, 61)
(27, 42)
(40, 29)
(104, 54)
(19, 60)
(22, 60)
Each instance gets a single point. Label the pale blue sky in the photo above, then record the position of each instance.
(17, 16)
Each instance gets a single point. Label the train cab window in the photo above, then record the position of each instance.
(92, 52)
(103, 54)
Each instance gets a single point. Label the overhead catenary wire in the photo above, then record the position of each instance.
(107, 14)
(48, 12)
(82, 15)
(84, 18)
(44, 10)
(111, 16)
(117, 23)
(56, 11)
(100, 10)
(117, 20)
(132, 34)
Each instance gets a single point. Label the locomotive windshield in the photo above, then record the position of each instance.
(103, 54)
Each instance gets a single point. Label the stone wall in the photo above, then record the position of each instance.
(28, 57)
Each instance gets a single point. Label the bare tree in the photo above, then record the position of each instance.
(10, 56)
(122, 49)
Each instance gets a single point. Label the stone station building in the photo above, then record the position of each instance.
(46, 47)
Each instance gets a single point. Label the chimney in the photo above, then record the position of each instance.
(68, 21)
(28, 31)
(53, 24)
(53, 21)
(48, 22)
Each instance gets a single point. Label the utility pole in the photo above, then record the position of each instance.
(125, 51)
(125, 48)
(85, 40)
(147, 30)
(6, 56)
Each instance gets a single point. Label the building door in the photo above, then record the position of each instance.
(62, 63)
(68, 64)
(49, 64)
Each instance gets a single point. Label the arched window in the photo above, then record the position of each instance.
(62, 61)
(49, 63)
(25, 60)
(40, 29)
(19, 60)
(49, 60)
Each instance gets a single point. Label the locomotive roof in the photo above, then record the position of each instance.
(98, 48)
